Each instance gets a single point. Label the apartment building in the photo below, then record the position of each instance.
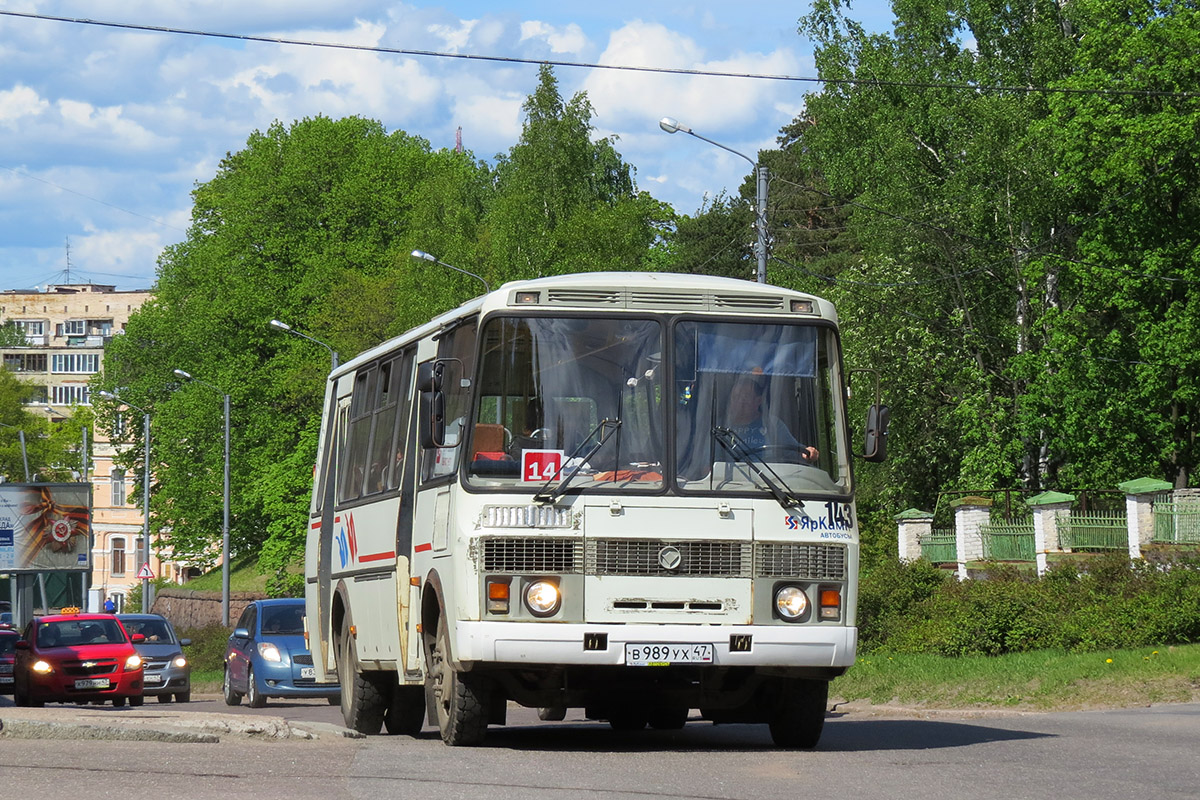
(66, 328)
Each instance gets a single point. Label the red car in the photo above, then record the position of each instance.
(8, 641)
(77, 658)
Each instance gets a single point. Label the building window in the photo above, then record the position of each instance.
(70, 394)
(117, 557)
(25, 362)
(31, 327)
(75, 327)
(119, 494)
(86, 363)
(138, 557)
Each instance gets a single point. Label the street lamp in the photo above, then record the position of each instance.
(283, 326)
(225, 519)
(421, 254)
(145, 493)
(24, 452)
(760, 222)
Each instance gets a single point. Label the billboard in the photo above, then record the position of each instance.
(45, 526)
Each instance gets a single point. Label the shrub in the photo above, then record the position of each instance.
(1107, 602)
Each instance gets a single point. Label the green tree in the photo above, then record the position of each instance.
(55, 452)
(11, 335)
(563, 202)
(310, 224)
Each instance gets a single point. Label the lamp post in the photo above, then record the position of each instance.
(760, 221)
(421, 254)
(24, 452)
(145, 493)
(283, 326)
(225, 496)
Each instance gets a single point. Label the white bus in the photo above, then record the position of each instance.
(553, 495)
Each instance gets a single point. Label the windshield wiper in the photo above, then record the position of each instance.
(742, 454)
(609, 427)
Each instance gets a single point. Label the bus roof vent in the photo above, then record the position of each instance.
(584, 297)
(744, 302)
(651, 299)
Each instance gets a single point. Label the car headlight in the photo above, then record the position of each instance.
(180, 661)
(791, 602)
(42, 667)
(542, 598)
(269, 652)
(134, 662)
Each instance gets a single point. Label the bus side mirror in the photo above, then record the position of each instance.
(432, 411)
(878, 417)
(433, 419)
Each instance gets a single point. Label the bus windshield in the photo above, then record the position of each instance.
(587, 404)
(578, 399)
(757, 407)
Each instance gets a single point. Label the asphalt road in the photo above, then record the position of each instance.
(1098, 755)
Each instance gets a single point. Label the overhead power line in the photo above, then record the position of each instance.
(588, 65)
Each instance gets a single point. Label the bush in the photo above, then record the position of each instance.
(1107, 602)
(207, 650)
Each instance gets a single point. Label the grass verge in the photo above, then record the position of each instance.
(1043, 680)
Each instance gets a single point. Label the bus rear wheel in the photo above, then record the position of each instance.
(458, 701)
(363, 704)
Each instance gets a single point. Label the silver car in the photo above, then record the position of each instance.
(167, 672)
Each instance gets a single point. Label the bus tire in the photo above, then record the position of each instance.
(406, 714)
(459, 701)
(363, 705)
(799, 713)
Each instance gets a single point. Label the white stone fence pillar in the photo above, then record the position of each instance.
(970, 514)
(1048, 508)
(1139, 511)
(912, 526)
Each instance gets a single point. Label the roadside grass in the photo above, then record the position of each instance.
(1037, 681)
(243, 577)
(1043, 680)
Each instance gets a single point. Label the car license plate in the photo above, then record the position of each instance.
(308, 672)
(92, 683)
(661, 654)
(6, 678)
(152, 678)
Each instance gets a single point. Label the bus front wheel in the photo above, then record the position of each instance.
(458, 701)
(799, 713)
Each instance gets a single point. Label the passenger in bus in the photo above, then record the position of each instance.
(756, 429)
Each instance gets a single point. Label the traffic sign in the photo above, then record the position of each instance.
(145, 573)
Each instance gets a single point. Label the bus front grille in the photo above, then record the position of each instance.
(662, 557)
(532, 555)
(822, 562)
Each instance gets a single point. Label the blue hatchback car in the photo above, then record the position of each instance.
(267, 657)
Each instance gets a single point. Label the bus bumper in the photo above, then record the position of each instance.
(562, 644)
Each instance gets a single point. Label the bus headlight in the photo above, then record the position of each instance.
(542, 598)
(791, 603)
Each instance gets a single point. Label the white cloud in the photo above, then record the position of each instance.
(567, 39)
(19, 102)
(454, 37)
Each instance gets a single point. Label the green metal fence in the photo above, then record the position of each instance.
(939, 547)
(1097, 530)
(1008, 541)
(1177, 523)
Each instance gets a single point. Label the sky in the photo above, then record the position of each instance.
(105, 131)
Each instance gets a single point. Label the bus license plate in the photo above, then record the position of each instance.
(308, 672)
(661, 654)
(92, 683)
